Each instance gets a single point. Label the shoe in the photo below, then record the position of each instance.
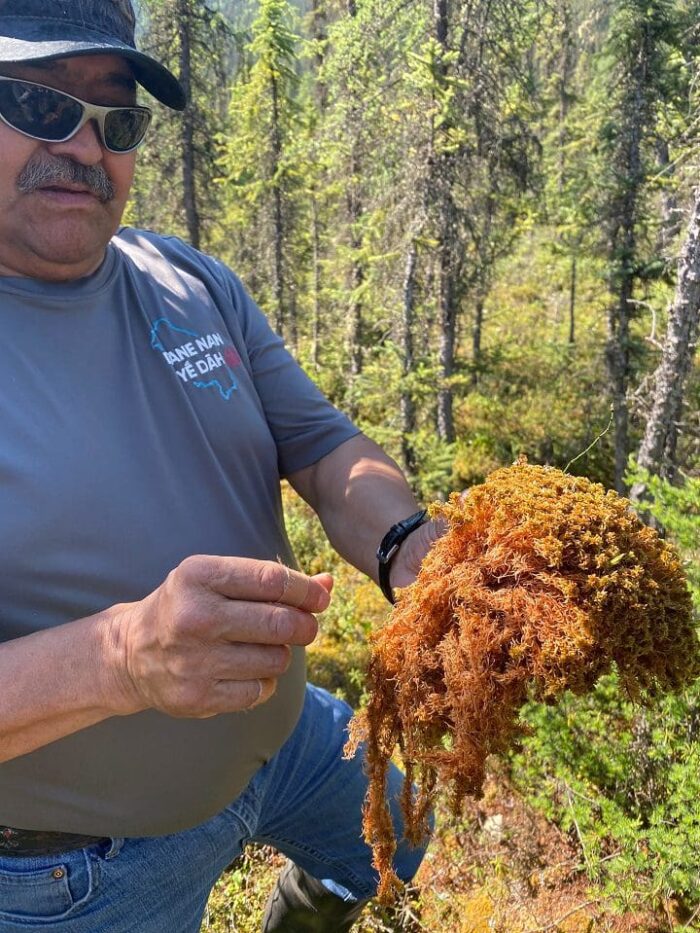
(299, 903)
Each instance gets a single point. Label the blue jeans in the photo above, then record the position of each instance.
(306, 801)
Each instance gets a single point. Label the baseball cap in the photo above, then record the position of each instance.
(41, 30)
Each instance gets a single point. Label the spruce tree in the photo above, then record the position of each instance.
(194, 40)
(635, 56)
(258, 167)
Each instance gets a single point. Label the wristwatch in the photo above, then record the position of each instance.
(391, 542)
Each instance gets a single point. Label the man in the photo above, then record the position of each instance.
(153, 712)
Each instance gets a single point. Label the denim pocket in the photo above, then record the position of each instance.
(43, 889)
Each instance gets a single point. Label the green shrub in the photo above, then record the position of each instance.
(625, 782)
(623, 779)
(677, 509)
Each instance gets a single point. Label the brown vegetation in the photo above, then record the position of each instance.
(542, 583)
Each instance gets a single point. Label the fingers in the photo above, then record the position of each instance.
(248, 662)
(242, 578)
(240, 695)
(326, 581)
(224, 696)
(408, 561)
(236, 677)
(217, 634)
(267, 689)
(256, 624)
(295, 589)
(436, 528)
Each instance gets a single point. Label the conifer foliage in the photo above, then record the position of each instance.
(259, 165)
(375, 169)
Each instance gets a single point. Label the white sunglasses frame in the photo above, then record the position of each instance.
(90, 112)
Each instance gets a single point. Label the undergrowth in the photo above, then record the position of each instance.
(623, 779)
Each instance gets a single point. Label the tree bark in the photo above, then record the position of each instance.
(567, 64)
(318, 31)
(278, 213)
(622, 246)
(441, 21)
(617, 361)
(670, 213)
(485, 261)
(406, 404)
(357, 276)
(316, 260)
(188, 126)
(354, 208)
(447, 312)
(657, 450)
(572, 302)
(479, 303)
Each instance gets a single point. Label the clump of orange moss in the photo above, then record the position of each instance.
(541, 584)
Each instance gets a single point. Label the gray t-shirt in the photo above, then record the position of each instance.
(148, 412)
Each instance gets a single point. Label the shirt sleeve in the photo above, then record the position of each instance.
(304, 424)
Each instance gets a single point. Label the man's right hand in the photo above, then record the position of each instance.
(213, 638)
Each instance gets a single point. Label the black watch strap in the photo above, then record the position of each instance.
(391, 542)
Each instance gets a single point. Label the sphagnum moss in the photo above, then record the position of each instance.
(541, 584)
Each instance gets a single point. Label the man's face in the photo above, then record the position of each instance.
(59, 231)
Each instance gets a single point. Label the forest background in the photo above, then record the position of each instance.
(475, 224)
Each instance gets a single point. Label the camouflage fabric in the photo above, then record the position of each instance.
(23, 842)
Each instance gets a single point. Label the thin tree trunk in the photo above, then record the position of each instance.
(482, 286)
(447, 312)
(670, 213)
(479, 303)
(441, 21)
(318, 31)
(566, 66)
(617, 361)
(617, 350)
(316, 261)
(657, 449)
(293, 319)
(278, 216)
(622, 252)
(406, 404)
(572, 302)
(354, 206)
(188, 127)
(356, 271)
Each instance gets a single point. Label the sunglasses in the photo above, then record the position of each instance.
(52, 116)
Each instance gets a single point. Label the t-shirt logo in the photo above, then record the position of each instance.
(205, 361)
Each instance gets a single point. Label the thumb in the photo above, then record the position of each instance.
(325, 579)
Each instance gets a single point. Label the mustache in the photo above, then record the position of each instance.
(42, 173)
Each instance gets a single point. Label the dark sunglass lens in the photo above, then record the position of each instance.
(125, 128)
(38, 111)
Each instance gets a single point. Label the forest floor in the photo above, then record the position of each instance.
(500, 867)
